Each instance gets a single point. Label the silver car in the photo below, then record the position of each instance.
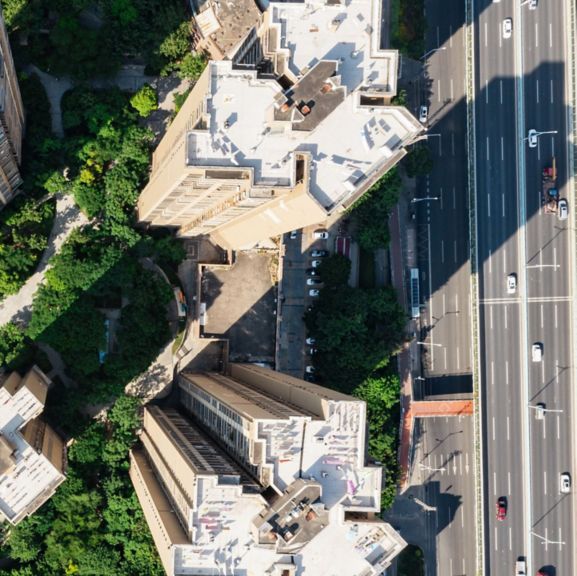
(563, 209)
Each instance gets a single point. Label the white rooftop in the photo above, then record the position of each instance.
(332, 455)
(352, 141)
(32, 474)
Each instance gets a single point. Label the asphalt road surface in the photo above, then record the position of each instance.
(519, 85)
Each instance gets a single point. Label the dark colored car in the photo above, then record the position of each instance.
(501, 508)
(319, 253)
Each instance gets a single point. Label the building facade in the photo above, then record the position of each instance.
(296, 124)
(11, 122)
(32, 455)
(264, 473)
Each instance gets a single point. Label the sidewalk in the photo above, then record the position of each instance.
(68, 217)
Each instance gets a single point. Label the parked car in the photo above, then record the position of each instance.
(293, 234)
(319, 254)
(321, 234)
(312, 351)
(533, 4)
(511, 283)
(501, 508)
(314, 281)
(316, 263)
(311, 341)
(565, 483)
(309, 369)
(537, 352)
(311, 272)
(507, 27)
(563, 209)
(423, 114)
(314, 292)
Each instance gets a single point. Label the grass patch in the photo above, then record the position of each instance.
(180, 336)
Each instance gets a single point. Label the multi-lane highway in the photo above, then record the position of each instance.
(520, 84)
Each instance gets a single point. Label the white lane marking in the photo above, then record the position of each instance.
(551, 92)
(506, 316)
(457, 302)
(455, 251)
(452, 91)
(450, 564)
(495, 483)
(508, 429)
(439, 90)
(504, 252)
(509, 483)
(506, 371)
(550, 35)
(547, 539)
(553, 146)
(488, 155)
(545, 481)
(445, 355)
(485, 34)
(467, 462)
(502, 149)
(452, 144)
(555, 259)
(558, 428)
(491, 316)
(537, 34)
(560, 539)
(493, 427)
(544, 431)
(542, 316)
(496, 538)
(464, 571)
(489, 206)
(510, 539)
(460, 464)
(462, 521)
(454, 198)
(537, 90)
(501, 91)
(538, 148)
(492, 384)
(442, 250)
(490, 259)
(444, 307)
(543, 372)
(503, 204)
(458, 359)
(556, 316)
(441, 197)
(500, 37)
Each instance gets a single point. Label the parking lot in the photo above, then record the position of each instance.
(295, 297)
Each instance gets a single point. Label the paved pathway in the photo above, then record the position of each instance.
(68, 217)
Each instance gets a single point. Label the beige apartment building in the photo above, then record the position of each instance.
(11, 122)
(261, 473)
(296, 124)
(32, 455)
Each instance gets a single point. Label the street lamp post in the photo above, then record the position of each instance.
(424, 56)
(425, 199)
(430, 344)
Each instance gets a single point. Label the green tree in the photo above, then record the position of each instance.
(145, 101)
(419, 161)
(12, 343)
(191, 66)
(335, 270)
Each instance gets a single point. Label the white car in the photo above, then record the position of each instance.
(423, 114)
(532, 4)
(321, 234)
(293, 234)
(511, 283)
(564, 483)
(537, 352)
(507, 27)
(533, 138)
(314, 292)
(310, 369)
(311, 341)
(314, 281)
(316, 263)
(563, 209)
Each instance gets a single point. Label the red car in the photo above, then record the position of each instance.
(501, 508)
